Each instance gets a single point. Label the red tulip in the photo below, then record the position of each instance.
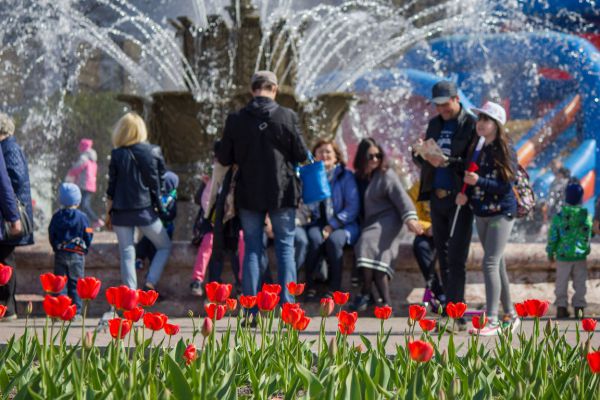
(456, 310)
(266, 301)
(536, 308)
(207, 327)
(215, 311)
(5, 274)
(427, 324)
(341, 298)
(2, 310)
(347, 322)
(327, 306)
(69, 313)
(296, 289)
(231, 304)
(122, 298)
(134, 314)
(417, 312)
(248, 301)
(171, 329)
(88, 288)
(190, 354)
(383, 312)
(479, 322)
(271, 288)
(291, 313)
(115, 323)
(155, 321)
(521, 310)
(147, 298)
(55, 307)
(302, 323)
(218, 292)
(53, 283)
(588, 324)
(420, 351)
(594, 361)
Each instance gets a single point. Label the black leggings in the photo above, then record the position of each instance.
(382, 282)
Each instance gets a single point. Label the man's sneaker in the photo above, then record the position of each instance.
(488, 330)
(139, 263)
(310, 296)
(360, 303)
(249, 322)
(148, 286)
(9, 317)
(562, 313)
(196, 288)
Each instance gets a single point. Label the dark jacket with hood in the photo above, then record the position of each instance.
(463, 136)
(135, 177)
(264, 140)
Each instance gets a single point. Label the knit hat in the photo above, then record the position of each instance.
(85, 144)
(171, 181)
(69, 194)
(573, 194)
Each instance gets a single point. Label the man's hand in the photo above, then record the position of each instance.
(471, 178)
(414, 226)
(429, 231)
(15, 228)
(461, 199)
(326, 231)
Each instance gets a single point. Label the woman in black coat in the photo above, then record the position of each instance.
(16, 187)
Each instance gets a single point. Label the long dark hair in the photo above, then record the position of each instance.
(504, 156)
(361, 160)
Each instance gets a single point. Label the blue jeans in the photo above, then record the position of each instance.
(301, 246)
(284, 227)
(72, 265)
(157, 234)
(86, 206)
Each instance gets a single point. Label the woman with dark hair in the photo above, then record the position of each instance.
(334, 221)
(491, 197)
(386, 207)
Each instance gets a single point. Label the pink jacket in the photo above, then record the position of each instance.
(84, 171)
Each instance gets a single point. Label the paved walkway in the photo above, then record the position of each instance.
(365, 326)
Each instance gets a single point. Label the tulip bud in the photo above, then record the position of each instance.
(190, 314)
(29, 308)
(166, 394)
(332, 348)
(519, 390)
(441, 394)
(477, 364)
(137, 337)
(440, 309)
(455, 388)
(587, 348)
(580, 314)
(88, 340)
(411, 322)
(529, 368)
(548, 328)
(207, 327)
(576, 383)
(444, 360)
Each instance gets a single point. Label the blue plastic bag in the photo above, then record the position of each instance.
(315, 186)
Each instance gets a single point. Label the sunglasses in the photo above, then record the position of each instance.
(376, 156)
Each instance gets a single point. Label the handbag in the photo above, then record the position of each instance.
(26, 224)
(315, 185)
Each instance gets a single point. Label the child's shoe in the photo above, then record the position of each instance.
(562, 313)
(98, 225)
(196, 288)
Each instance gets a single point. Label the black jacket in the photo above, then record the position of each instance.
(462, 139)
(135, 177)
(264, 140)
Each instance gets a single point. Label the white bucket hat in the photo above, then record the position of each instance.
(492, 110)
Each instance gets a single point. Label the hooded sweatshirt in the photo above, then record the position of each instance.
(84, 171)
(570, 234)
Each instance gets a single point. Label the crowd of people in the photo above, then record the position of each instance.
(254, 197)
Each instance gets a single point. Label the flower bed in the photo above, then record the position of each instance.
(270, 360)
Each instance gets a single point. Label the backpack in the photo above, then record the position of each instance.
(523, 193)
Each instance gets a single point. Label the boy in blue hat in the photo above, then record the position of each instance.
(569, 243)
(70, 235)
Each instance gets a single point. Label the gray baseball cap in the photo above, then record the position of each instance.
(7, 125)
(264, 76)
(443, 91)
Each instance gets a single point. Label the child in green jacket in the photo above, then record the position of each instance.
(569, 243)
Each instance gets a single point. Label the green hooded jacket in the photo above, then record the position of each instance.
(569, 234)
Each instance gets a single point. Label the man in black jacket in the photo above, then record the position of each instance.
(454, 130)
(264, 140)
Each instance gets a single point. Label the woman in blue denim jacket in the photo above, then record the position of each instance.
(334, 221)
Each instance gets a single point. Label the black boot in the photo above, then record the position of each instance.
(579, 312)
(562, 313)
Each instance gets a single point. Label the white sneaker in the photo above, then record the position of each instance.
(488, 330)
(515, 324)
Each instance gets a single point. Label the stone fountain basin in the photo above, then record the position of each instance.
(530, 273)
